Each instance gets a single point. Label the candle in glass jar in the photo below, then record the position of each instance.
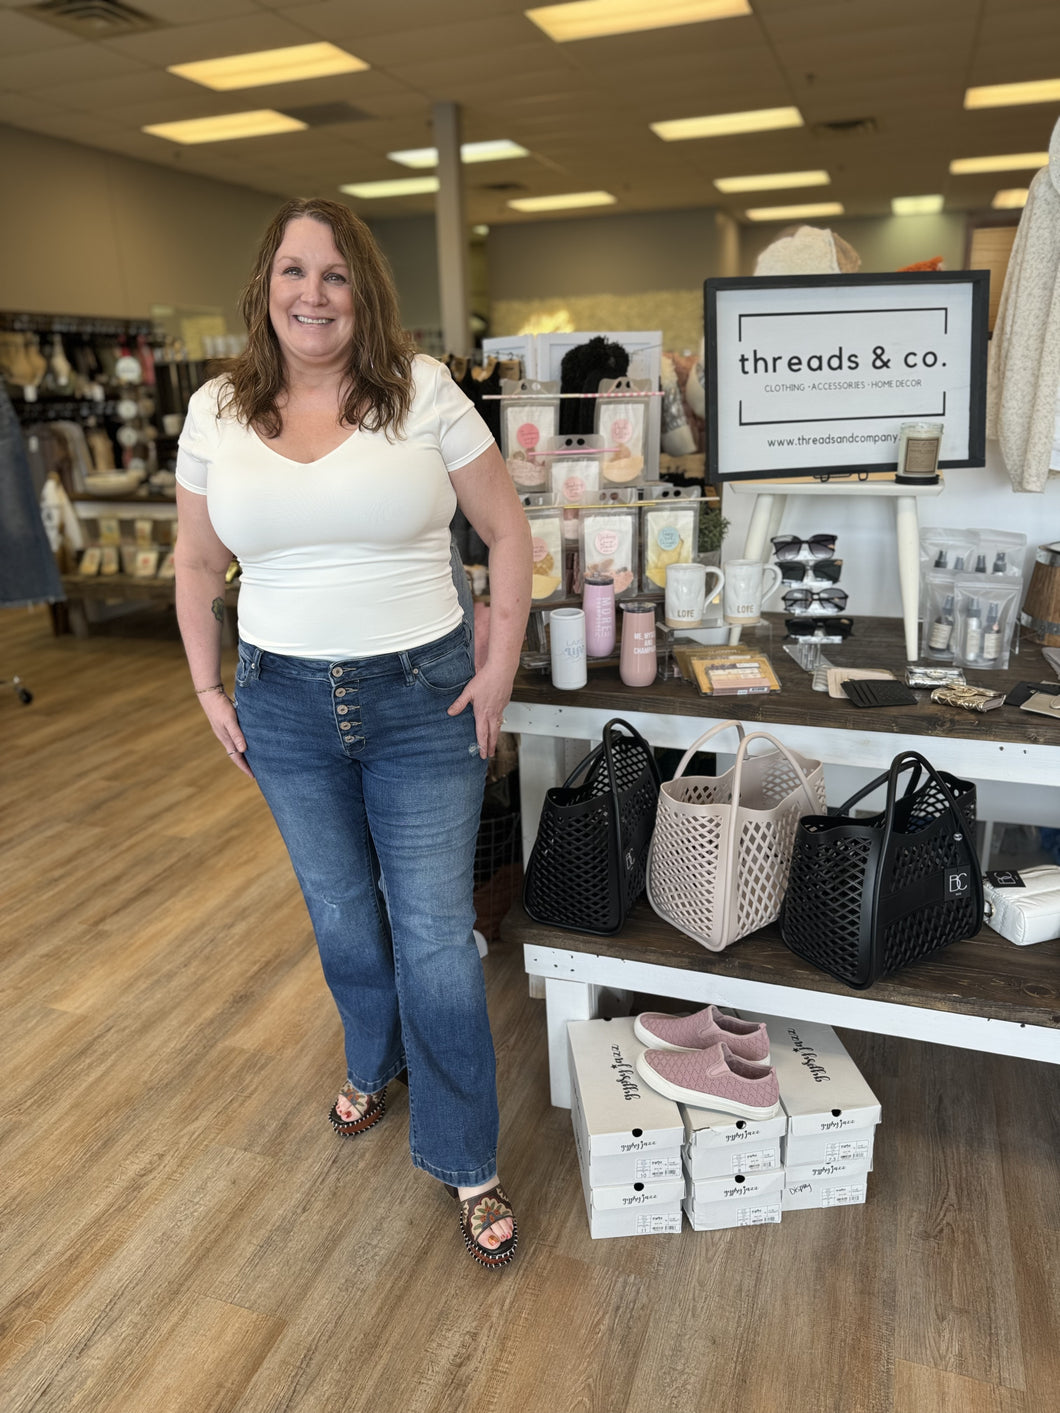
(918, 452)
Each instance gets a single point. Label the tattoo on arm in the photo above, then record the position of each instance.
(217, 608)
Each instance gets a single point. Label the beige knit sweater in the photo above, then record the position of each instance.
(1025, 349)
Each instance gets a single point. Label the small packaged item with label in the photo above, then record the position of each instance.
(937, 635)
(609, 546)
(998, 552)
(621, 422)
(529, 420)
(985, 612)
(574, 470)
(669, 535)
(949, 551)
(546, 541)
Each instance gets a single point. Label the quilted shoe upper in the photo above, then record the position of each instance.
(717, 1073)
(747, 1039)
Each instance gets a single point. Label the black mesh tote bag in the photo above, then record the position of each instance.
(870, 895)
(587, 865)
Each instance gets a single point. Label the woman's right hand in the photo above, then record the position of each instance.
(221, 711)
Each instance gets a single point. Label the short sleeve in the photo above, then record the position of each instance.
(198, 439)
(462, 434)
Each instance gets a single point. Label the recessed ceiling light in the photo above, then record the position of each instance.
(261, 123)
(1017, 161)
(496, 150)
(1011, 199)
(480, 231)
(301, 61)
(916, 205)
(1011, 95)
(564, 202)
(399, 186)
(589, 19)
(793, 213)
(772, 181)
(726, 124)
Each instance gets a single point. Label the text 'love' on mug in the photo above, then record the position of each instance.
(748, 583)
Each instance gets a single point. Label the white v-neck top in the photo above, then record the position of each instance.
(347, 556)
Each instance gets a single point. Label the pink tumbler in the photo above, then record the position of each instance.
(598, 601)
(637, 663)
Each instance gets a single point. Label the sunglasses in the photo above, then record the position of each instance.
(840, 475)
(796, 570)
(787, 547)
(831, 600)
(819, 627)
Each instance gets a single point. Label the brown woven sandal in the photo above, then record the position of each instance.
(476, 1215)
(375, 1108)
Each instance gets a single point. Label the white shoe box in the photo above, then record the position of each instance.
(740, 1187)
(830, 1192)
(718, 1145)
(627, 1133)
(633, 1208)
(822, 1091)
(853, 1146)
(734, 1212)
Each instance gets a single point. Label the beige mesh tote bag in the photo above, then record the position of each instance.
(721, 850)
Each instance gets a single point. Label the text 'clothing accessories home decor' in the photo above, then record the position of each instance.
(869, 895)
(712, 1079)
(586, 869)
(748, 1040)
(722, 844)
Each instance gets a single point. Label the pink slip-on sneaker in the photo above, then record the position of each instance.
(712, 1079)
(747, 1039)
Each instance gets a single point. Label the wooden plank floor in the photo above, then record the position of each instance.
(180, 1232)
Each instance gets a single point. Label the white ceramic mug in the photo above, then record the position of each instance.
(748, 583)
(686, 593)
(566, 631)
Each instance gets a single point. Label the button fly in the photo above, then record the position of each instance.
(336, 672)
(345, 726)
(343, 710)
(340, 691)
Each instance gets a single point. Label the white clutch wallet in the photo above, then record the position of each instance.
(1028, 914)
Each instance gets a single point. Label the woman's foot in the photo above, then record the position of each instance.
(354, 1111)
(487, 1222)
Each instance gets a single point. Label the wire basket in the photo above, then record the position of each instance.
(498, 870)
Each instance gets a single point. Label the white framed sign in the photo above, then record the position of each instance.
(813, 375)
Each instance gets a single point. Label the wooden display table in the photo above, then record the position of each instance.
(983, 994)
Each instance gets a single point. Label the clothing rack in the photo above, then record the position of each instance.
(101, 326)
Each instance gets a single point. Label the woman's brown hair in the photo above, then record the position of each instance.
(379, 390)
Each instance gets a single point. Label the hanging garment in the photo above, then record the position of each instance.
(28, 572)
(1025, 350)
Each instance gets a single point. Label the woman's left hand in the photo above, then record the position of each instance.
(489, 692)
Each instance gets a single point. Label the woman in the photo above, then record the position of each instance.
(330, 460)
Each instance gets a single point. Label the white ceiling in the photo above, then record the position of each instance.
(582, 109)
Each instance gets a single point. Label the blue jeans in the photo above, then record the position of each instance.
(378, 795)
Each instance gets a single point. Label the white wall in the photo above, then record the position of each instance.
(90, 232)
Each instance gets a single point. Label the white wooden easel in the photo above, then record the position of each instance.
(771, 497)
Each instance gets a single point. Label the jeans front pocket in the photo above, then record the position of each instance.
(451, 672)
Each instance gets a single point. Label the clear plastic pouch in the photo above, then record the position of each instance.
(999, 552)
(669, 535)
(547, 583)
(986, 610)
(574, 477)
(938, 629)
(609, 546)
(621, 422)
(529, 421)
